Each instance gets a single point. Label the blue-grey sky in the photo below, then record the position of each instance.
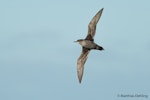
(38, 56)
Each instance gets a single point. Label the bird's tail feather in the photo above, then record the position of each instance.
(99, 47)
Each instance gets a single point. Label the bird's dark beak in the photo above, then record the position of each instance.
(75, 41)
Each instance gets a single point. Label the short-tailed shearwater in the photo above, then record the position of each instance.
(88, 44)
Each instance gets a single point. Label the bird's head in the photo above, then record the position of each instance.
(79, 40)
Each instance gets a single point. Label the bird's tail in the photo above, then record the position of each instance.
(99, 48)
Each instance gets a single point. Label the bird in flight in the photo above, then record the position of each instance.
(88, 44)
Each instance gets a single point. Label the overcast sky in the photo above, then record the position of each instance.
(38, 57)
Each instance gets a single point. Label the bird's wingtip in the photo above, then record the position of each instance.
(79, 81)
(79, 77)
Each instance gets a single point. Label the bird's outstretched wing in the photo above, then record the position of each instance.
(81, 61)
(92, 26)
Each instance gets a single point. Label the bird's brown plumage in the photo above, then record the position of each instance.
(90, 36)
(92, 26)
(81, 61)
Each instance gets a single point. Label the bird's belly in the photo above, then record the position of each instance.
(88, 44)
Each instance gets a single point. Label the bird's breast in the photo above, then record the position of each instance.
(88, 44)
